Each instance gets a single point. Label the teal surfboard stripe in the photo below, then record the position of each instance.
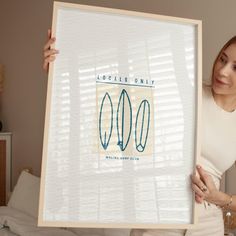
(141, 131)
(104, 132)
(122, 121)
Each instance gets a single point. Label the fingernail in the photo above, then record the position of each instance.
(199, 167)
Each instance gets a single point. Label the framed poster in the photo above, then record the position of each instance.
(122, 120)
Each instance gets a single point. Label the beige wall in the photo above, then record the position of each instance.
(230, 180)
(23, 27)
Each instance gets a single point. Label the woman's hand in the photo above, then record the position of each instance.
(205, 188)
(49, 53)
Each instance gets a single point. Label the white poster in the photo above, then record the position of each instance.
(121, 127)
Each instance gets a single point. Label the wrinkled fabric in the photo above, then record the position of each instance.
(210, 223)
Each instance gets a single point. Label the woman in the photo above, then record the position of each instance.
(218, 145)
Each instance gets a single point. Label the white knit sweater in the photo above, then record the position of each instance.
(218, 136)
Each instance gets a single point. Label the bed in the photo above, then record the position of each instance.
(19, 217)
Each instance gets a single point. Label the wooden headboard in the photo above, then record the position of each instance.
(2, 172)
(5, 167)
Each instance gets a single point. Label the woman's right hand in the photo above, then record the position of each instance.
(49, 53)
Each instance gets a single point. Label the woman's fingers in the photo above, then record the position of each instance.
(199, 183)
(204, 176)
(49, 43)
(204, 187)
(49, 33)
(47, 61)
(50, 52)
(199, 193)
(199, 199)
(198, 190)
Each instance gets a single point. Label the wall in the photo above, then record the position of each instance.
(230, 183)
(24, 27)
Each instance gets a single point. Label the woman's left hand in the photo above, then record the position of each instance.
(204, 187)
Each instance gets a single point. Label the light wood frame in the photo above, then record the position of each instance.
(195, 23)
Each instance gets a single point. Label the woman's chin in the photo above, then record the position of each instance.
(218, 89)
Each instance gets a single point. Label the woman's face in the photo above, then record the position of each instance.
(224, 74)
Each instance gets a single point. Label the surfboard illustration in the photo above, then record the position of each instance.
(142, 125)
(124, 120)
(106, 121)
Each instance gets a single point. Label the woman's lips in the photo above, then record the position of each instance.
(220, 82)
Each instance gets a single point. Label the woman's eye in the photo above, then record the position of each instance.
(223, 60)
(234, 67)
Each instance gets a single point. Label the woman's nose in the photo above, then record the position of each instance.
(225, 70)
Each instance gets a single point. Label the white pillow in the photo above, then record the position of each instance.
(25, 196)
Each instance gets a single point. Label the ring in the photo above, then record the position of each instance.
(204, 188)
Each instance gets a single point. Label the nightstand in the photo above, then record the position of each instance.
(5, 167)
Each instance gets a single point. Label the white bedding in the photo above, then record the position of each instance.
(25, 225)
(6, 232)
(21, 224)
